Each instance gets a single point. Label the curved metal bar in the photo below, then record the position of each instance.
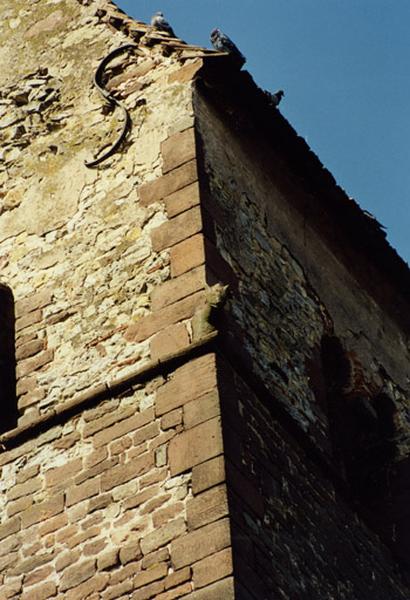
(98, 83)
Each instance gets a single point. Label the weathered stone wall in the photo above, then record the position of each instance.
(125, 500)
(293, 290)
(75, 242)
(326, 354)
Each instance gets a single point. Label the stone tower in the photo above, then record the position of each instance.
(204, 342)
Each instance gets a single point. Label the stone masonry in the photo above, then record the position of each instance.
(204, 341)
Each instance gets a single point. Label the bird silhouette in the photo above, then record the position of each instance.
(159, 23)
(223, 43)
(275, 99)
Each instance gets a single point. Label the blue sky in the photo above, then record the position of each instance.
(345, 69)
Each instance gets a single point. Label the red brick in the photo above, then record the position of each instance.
(30, 365)
(200, 543)
(185, 73)
(209, 506)
(188, 382)
(178, 149)
(173, 290)
(182, 200)
(177, 229)
(171, 419)
(78, 493)
(187, 254)
(164, 515)
(53, 524)
(173, 338)
(77, 573)
(60, 475)
(208, 474)
(43, 510)
(145, 433)
(26, 384)
(107, 420)
(28, 320)
(18, 506)
(123, 473)
(29, 349)
(101, 467)
(96, 584)
(40, 592)
(67, 441)
(130, 552)
(163, 535)
(27, 473)
(123, 427)
(33, 302)
(154, 191)
(151, 324)
(37, 576)
(141, 497)
(23, 489)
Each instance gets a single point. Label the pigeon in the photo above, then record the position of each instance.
(222, 43)
(159, 23)
(275, 99)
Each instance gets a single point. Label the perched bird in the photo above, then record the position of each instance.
(159, 23)
(222, 43)
(275, 99)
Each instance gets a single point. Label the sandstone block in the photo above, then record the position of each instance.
(209, 506)
(208, 474)
(40, 592)
(187, 255)
(77, 493)
(60, 475)
(163, 536)
(123, 473)
(171, 419)
(77, 574)
(29, 349)
(150, 575)
(177, 229)
(200, 543)
(169, 315)
(25, 367)
(28, 319)
(181, 590)
(202, 409)
(222, 589)
(182, 200)
(185, 73)
(93, 585)
(123, 427)
(33, 302)
(130, 552)
(195, 446)
(188, 382)
(178, 577)
(154, 191)
(149, 591)
(178, 149)
(212, 568)
(173, 338)
(21, 490)
(42, 510)
(175, 289)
